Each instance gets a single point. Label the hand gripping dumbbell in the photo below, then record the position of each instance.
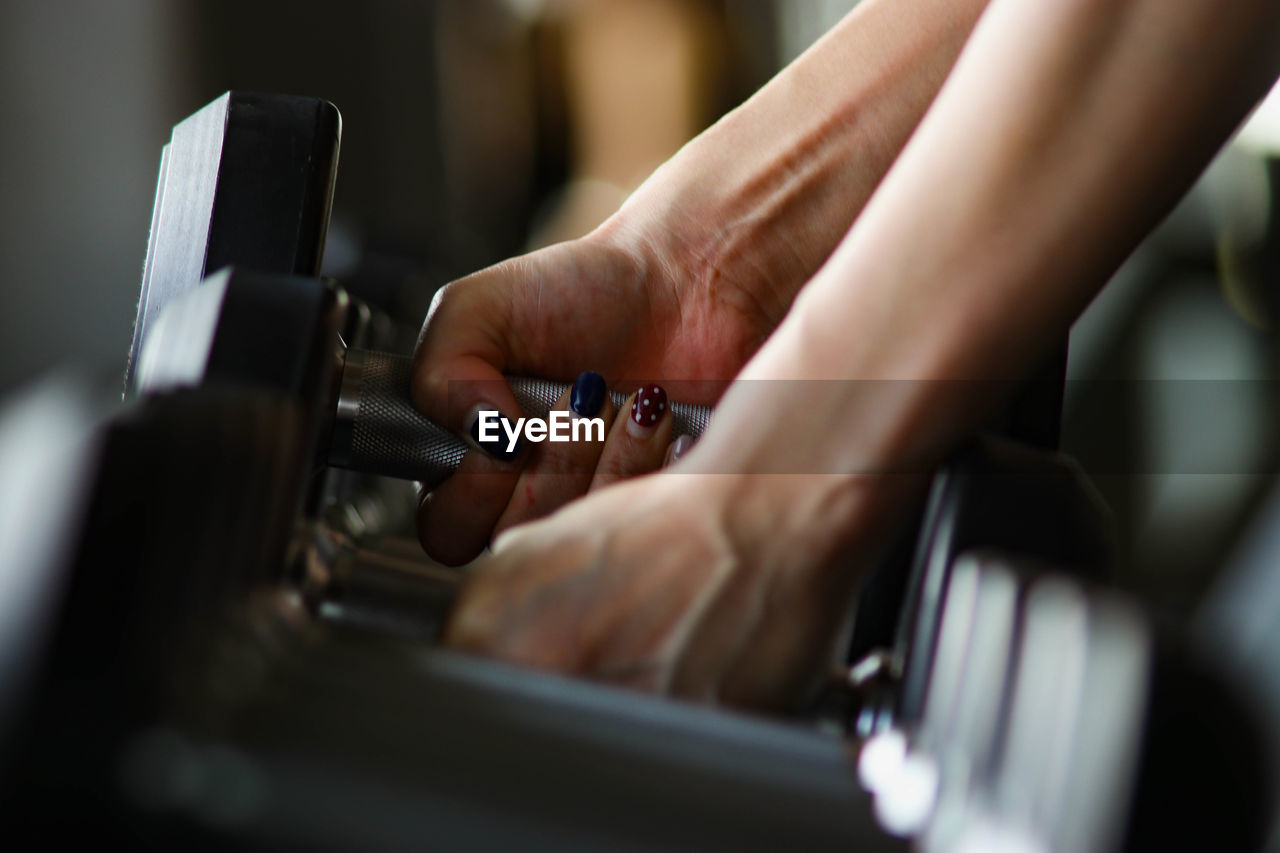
(248, 181)
(280, 330)
(164, 684)
(253, 330)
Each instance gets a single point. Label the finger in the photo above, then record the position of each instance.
(678, 448)
(458, 383)
(458, 363)
(455, 520)
(529, 611)
(638, 441)
(558, 472)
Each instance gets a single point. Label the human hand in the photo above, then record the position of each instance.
(725, 577)
(716, 589)
(695, 271)
(609, 303)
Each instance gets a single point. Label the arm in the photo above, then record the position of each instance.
(769, 190)
(691, 275)
(1067, 129)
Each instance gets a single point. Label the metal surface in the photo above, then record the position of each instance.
(378, 430)
(962, 708)
(247, 180)
(1033, 722)
(180, 218)
(389, 587)
(1096, 794)
(997, 496)
(48, 447)
(1047, 696)
(1068, 768)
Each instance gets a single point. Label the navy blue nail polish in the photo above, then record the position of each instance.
(587, 397)
(496, 447)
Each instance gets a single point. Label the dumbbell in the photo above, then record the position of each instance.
(1058, 716)
(164, 683)
(248, 181)
(280, 333)
(973, 630)
(276, 326)
(1024, 706)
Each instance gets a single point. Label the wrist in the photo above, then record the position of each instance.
(818, 528)
(759, 200)
(733, 209)
(826, 525)
(817, 462)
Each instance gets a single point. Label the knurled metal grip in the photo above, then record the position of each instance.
(378, 431)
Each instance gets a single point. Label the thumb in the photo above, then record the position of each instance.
(460, 359)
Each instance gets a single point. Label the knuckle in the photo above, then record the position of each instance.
(440, 299)
(430, 385)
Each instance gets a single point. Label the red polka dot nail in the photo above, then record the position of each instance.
(647, 409)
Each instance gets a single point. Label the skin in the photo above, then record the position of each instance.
(1065, 130)
(685, 283)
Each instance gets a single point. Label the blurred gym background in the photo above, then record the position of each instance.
(474, 129)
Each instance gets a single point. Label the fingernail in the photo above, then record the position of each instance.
(587, 397)
(648, 407)
(498, 443)
(677, 449)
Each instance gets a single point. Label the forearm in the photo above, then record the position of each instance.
(1066, 130)
(768, 191)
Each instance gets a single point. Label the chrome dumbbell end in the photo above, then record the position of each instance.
(377, 430)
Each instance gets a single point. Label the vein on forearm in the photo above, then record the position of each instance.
(845, 110)
(761, 198)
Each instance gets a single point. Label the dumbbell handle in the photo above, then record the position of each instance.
(378, 431)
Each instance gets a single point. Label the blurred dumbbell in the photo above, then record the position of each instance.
(1057, 717)
(1022, 706)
